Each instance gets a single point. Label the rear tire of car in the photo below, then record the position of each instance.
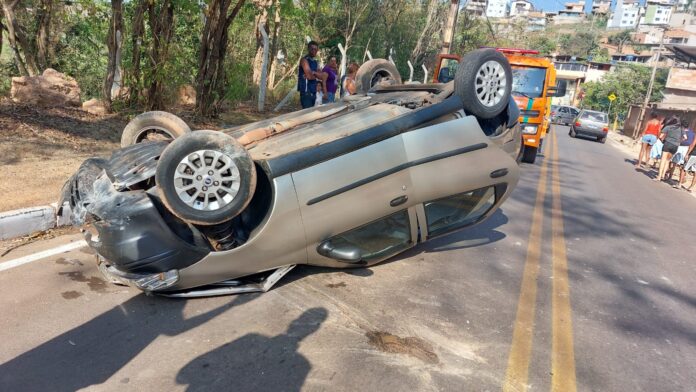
(155, 125)
(206, 177)
(602, 139)
(572, 133)
(374, 72)
(484, 82)
(529, 154)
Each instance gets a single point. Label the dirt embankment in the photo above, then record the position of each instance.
(41, 147)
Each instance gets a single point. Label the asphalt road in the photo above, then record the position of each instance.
(583, 280)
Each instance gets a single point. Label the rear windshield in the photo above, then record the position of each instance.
(594, 116)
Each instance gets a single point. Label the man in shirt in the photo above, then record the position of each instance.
(330, 70)
(307, 76)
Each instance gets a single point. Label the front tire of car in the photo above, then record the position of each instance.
(484, 82)
(206, 177)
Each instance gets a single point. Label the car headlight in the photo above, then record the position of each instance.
(529, 129)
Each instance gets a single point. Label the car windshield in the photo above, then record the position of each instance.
(528, 81)
(594, 116)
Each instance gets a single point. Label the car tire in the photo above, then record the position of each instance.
(205, 177)
(374, 72)
(484, 82)
(602, 139)
(572, 132)
(529, 154)
(155, 125)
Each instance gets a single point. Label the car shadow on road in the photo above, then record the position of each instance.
(256, 362)
(94, 351)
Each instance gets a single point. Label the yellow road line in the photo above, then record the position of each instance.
(521, 348)
(562, 352)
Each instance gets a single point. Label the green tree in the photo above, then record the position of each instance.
(629, 83)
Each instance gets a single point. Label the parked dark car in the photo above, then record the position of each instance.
(591, 123)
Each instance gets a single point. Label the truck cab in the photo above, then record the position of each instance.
(533, 85)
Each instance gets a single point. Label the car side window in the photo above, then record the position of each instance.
(563, 110)
(379, 239)
(454, 212)
(574, 112)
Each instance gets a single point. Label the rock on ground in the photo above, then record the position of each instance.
(51, 89)
(94, 106)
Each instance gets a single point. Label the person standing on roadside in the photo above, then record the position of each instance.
(331, 70)
(648, 138)
(672, 136)
(690, 166)
(307, 76)
(683, 152)
(349, 87)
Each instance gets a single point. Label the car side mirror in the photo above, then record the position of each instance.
(346, 253)
(559, 90)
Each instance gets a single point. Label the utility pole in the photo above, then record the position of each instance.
(449, 27)
(641, 116)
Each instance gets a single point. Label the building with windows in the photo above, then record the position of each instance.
(536, 21)
(476, 7)
(520, 7)
(572, 13)
(601, 7)
(657, 12)
(497, 8)
(626, 15)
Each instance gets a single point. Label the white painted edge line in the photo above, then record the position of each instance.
(41, 255)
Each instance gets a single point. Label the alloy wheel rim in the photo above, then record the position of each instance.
(207, 180)
(490, 83)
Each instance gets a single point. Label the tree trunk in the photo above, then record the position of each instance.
(161, 22)
(261, 19)
(18, 40)
(113, 42)
(274, 46)
(138, 24)
(43, 35)
(211, 73)
(422, 47)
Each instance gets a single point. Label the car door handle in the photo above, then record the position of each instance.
(398, 201)
(499, 173)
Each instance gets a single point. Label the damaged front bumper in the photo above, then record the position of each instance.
(137, 240)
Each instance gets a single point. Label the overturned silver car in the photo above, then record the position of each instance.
(341, 185)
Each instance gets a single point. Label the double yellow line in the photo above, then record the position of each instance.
(562, 352)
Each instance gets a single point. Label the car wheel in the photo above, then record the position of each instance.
(374, 72)
(602, 139)
(153, 126)
(572, 132)
(483, 81)
(529, 155)
(205, 177)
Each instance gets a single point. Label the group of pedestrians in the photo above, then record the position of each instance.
(320, 86)
(672, 143)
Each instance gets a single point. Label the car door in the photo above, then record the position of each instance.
(355, 207)
(459, 175)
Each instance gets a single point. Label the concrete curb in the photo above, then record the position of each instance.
(17, 223)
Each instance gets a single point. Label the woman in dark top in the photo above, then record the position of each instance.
(671, 135)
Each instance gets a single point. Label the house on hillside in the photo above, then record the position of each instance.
(536, 21)
(626, 15)
(520, 7)
(657, 12)
(497, 8)
(601, 7)
(572, 13)
(476, 7)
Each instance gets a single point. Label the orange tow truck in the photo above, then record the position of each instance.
(533, 85)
